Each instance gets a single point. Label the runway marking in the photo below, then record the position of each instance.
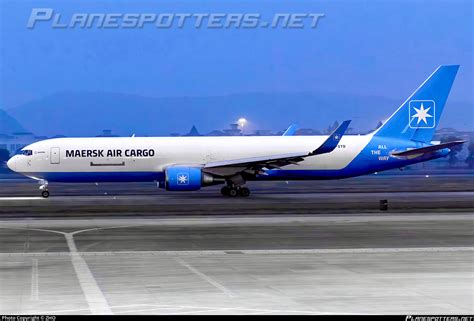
(235, 219)
(34, 280)
(251, 252)
(206, 278)
(102, 228)
(92, 292)
(20, 198)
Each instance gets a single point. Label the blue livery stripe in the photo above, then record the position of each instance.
(83, 177)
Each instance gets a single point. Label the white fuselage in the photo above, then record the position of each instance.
(82, 155)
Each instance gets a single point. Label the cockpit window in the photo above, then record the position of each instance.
(26, 152)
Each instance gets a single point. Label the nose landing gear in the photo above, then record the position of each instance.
(44, 189)
(234, 191)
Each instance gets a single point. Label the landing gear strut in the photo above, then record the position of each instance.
(44, 189)
(234, 191)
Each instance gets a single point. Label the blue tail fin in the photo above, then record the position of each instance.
(418, 117)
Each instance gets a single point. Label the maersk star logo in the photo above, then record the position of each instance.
(182, 179)
(422, 114)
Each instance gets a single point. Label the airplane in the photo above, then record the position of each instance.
(190, 163)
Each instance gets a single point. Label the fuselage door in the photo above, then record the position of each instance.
(54, 155)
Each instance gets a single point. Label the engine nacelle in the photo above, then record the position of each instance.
(185, 178)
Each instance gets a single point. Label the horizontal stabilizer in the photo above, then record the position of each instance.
(428, 149)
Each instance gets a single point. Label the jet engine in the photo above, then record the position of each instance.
(184, 178)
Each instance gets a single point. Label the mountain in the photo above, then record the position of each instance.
(88, 113)
(8, 124)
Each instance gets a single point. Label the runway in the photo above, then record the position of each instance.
(298, 248)
(70, 207)
(404, 193)
(239, 265)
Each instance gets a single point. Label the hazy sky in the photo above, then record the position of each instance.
(381, 48)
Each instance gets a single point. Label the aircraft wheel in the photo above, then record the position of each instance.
(244, 192)
(233, 192)
(225, 191)
(45, 194)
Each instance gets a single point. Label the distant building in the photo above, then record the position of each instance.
(216, 133)
(107, 133)
(17, 141)
(263, 132)
(444, 132)
(307, 132)
(233, 131)
(193, 132)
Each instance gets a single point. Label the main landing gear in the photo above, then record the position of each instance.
(234, 191)
(44, 189)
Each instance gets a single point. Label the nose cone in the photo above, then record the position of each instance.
(12, 163)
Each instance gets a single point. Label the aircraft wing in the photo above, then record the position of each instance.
(254, 165)
(427, 149)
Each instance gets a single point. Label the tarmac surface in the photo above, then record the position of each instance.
(299, 248)
(20, 198)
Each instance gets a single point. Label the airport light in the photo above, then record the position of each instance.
(242, 122)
